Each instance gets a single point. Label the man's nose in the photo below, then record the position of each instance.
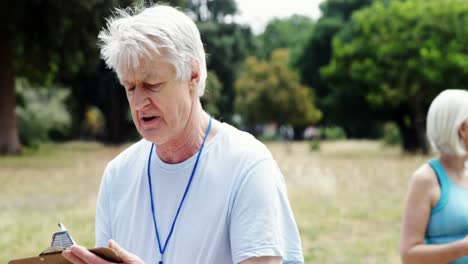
(140, 98)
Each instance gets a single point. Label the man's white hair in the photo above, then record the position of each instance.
(447, 113)
(132, 36)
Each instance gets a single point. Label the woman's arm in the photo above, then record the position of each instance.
(423, 193)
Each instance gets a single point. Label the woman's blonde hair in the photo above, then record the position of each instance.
(447, 113)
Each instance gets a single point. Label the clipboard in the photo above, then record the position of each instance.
(57, 258)
(60, 241)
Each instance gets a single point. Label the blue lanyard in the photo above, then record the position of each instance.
(163, 249)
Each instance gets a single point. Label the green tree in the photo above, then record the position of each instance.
(41, 111)
(212, 94)
(292, 33)
(41, 40)
(175, 3)
(268, 91)
(100, 88)
(212, 10)
(342, 9)
(226, 45)
(400, 55)
(317, 53)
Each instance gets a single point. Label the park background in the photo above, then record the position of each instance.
(354, 84)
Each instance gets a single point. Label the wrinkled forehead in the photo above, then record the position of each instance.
(129, 72)
(145, 68)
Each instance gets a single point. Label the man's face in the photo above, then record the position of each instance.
(159, 103)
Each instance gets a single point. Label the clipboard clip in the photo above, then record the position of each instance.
(61, 240)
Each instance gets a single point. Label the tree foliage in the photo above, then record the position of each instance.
(317, 53)
(226, 45)
(45, 41)
(212, 10)
(212, 94)
(102, 89)
(41, 111)
(51, 38)
(268, 91)
(342, 9)
(284, 33)
(400, 55)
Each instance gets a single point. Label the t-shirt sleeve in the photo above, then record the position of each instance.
(262, 222)
(103, 226)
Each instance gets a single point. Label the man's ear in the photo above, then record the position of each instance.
(462, 130)
(194, 75)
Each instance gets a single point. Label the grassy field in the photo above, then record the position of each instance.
(347, 197)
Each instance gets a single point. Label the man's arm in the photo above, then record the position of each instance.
(262, 260)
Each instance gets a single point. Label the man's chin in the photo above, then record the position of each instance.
(152, 136)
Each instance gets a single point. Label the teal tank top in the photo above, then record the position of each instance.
(448, 221)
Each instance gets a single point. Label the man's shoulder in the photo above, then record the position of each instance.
(132, 154)
(238, 142)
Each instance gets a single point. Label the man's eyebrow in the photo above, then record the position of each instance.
(125, 83)
(147, 76)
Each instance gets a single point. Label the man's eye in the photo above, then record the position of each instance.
(154, 87)
(131, 89)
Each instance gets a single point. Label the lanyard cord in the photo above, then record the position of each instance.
(163, 249)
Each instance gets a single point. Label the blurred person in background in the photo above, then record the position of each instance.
(435, 219)
(193, 190)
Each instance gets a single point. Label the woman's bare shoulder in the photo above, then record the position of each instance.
(424, 177)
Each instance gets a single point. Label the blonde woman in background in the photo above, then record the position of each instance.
(435, 219)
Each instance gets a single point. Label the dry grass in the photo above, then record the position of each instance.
(57, 183)
(347, 197)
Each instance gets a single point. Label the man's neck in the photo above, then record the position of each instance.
(188, 142)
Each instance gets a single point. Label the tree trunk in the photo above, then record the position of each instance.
(408, 134)
(115, 109)
(411, 120)
(115, 114)
(419, 124)
(9, 140)
(409, 139)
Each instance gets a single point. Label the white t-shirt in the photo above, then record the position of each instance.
(236, 207)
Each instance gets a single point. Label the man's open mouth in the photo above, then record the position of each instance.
(149, 118)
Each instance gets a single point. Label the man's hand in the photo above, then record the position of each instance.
(80, 255)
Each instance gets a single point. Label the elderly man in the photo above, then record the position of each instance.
(193, 190)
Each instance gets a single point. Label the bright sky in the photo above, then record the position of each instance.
(257, 13)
